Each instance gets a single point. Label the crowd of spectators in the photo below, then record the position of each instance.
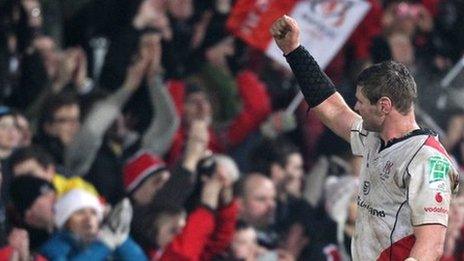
(143, 130)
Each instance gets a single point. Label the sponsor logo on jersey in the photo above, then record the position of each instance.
(441, 210)
(366, 187)
(438, 197)
(386, 171)
(372, 211)
(439, 186)
(438, 168)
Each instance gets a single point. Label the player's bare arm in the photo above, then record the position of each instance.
(429, 242)
(317, 88)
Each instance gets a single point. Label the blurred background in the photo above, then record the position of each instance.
(164, 103)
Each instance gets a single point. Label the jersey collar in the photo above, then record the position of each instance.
(413, 133)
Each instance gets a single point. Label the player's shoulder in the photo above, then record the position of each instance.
(435, 160)
(433, 148)
(430, 151)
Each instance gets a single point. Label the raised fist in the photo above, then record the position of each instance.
(286, 33)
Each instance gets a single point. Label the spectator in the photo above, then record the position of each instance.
(58, 124)
(9, 140)
(18, 247)
(283, 163)
(197, 105)
(9, 133)
(244, 245)
(257, 201)
(336, 162)
(157, 228)
(144, 175)
(175, 192)
(105, 140)
(77, 216)
(303, 232)
(340, 204)
(215, 87)
(205, 234)
(181, 184)
(331, 187)
(37, 162)
(179, 48)
(32, 208)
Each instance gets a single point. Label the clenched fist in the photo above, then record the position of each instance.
(286, 33)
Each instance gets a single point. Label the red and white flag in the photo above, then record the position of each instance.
(325, 24)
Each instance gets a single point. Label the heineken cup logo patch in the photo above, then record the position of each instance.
(438, 167)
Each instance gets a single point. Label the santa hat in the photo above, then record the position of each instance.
(73, 201)
(140, 168)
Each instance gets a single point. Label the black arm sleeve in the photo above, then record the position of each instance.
(314, 83)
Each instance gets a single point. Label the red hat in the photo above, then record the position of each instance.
(139, 168)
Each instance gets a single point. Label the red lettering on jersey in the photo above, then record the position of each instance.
(436, 210)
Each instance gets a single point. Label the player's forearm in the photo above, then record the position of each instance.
(423, 253)
(429, 242)
(320, 93)
(314, 83)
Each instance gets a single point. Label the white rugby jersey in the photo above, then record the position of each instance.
(406, 183)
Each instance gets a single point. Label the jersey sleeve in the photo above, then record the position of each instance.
(430, 188)
(358, 138)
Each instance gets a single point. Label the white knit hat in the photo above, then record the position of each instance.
(73, 201)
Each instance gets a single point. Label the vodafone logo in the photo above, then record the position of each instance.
(436, 210)
(438, 197)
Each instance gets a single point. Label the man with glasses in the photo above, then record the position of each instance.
(58, 124)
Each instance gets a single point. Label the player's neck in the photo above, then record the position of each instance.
(397, 125)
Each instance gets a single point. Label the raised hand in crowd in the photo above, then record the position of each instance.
(227, 192)
(34, 12)
(196, 145)
(150, 47)
(151, 15)
(224, 169)
(147, 61)
(19, 241)
(116, 229)
(80, 78)
(136, 72)
(211, 191)
(46, 47)
(68, 64)
(145, 15)
(424, 19)
(200, 29)
(217, 55)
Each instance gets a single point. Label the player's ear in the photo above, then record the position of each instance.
(385, 105)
